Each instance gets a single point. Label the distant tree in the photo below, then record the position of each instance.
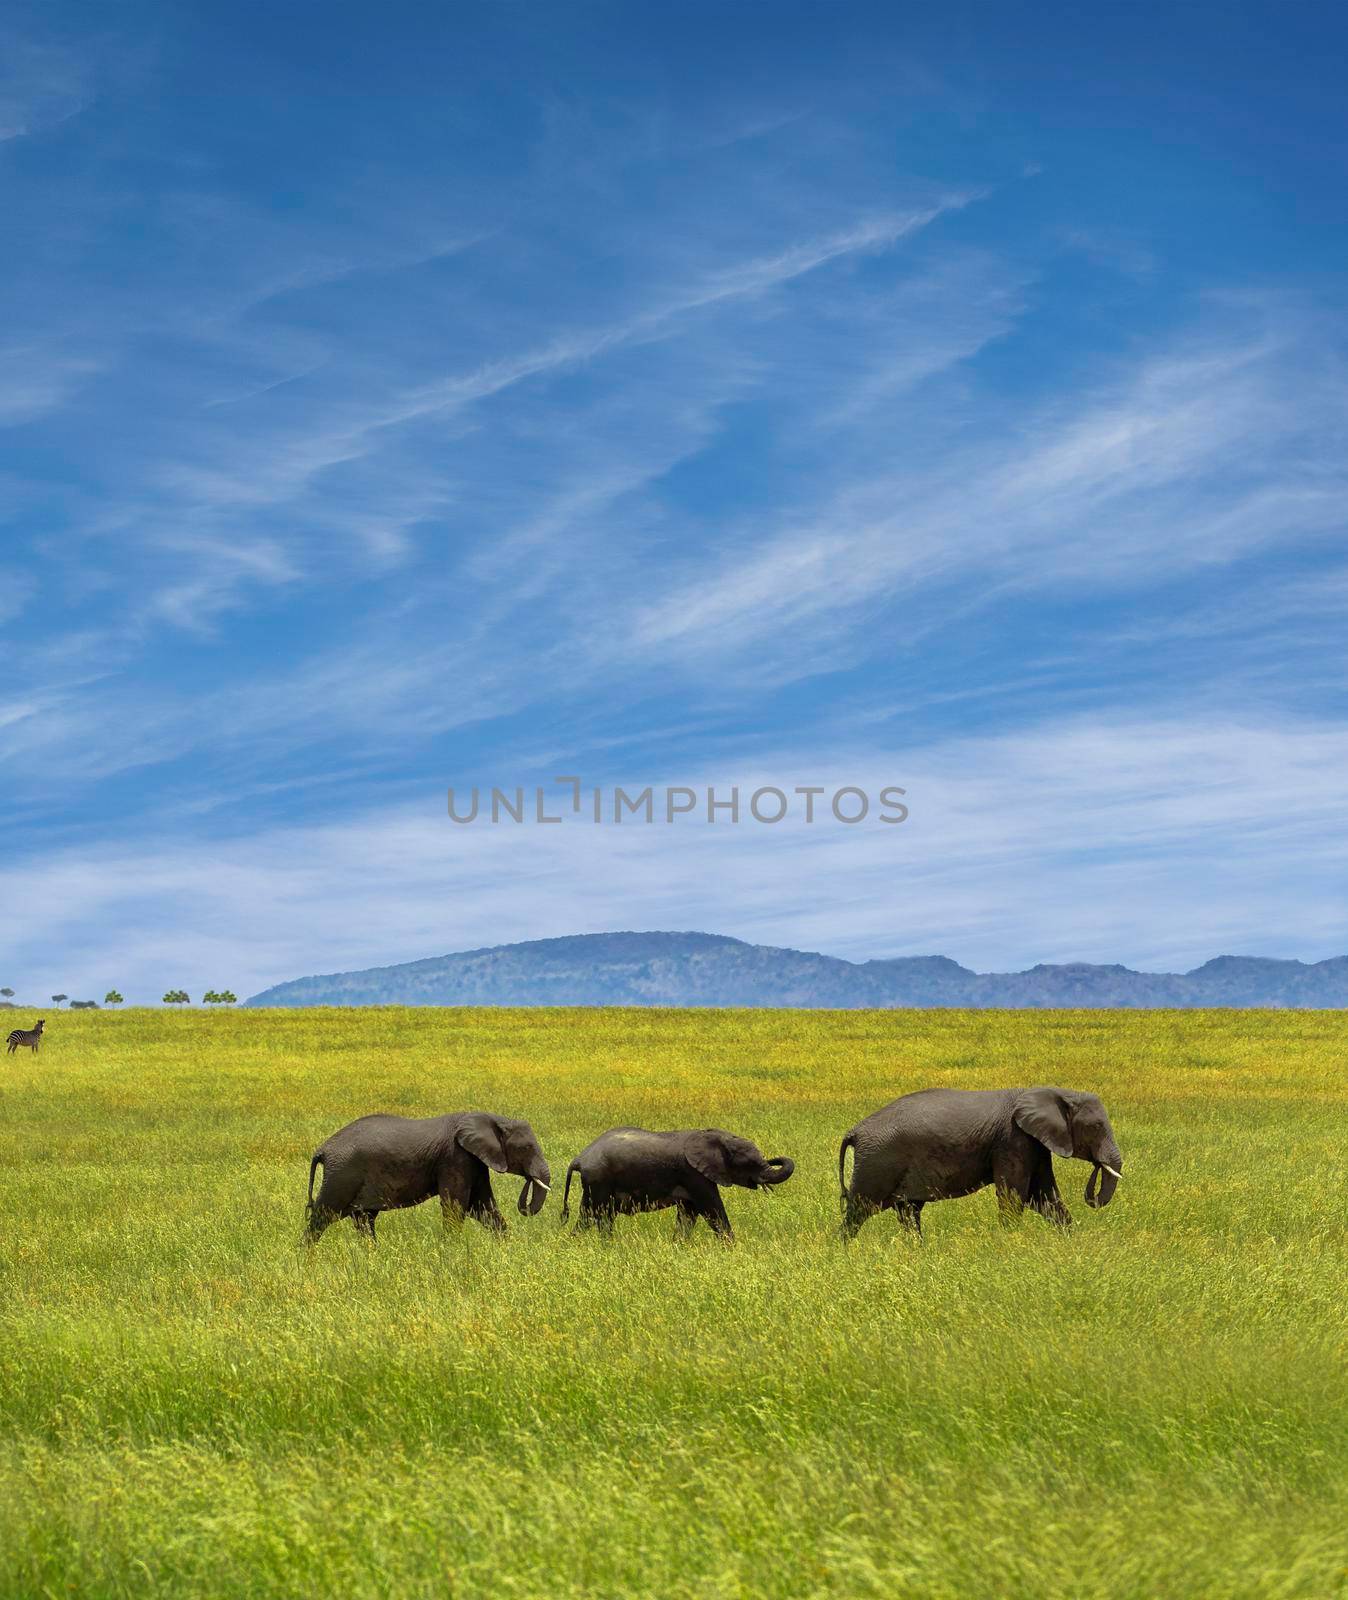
(112, 998)
(7, 993)
(177, 997)
(57, 999)
(84, 1005)
(228, 997)
(225, 997)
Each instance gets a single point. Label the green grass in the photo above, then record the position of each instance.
(1154, 1405)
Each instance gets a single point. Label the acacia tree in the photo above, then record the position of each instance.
(225, 997)
(57, 998)
(177, 997)
(112, 998)
(8, 994)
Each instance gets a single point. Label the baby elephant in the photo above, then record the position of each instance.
(627, 1170)
(383, 1163)
(939, 1144)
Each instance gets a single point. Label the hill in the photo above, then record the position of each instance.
(703, 969)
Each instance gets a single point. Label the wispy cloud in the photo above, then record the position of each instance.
(305, 480)
(36, 379)
(713, 288)
(1191, 458)
(320, 452)
(659, 423)
(1194, 458)
(41, 86)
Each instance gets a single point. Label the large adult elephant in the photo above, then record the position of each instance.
(628, 1170)
(383, 1163)
(939, 1144)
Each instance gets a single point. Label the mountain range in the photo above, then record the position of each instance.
(704, 969)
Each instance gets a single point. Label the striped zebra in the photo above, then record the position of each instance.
(32, 1037)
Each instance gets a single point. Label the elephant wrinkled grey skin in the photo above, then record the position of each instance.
(383, 1163)
(939, 1144)
(628, 1170)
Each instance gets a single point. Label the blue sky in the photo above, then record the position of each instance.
(409, 396)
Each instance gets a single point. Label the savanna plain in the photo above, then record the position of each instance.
(1155, 1404)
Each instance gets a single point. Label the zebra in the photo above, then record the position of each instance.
(32, 1037)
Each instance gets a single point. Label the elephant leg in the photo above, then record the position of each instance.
(1016, 1179)
(909, 1213)
(336, 1195)
(859, 1206)
(717, 1220)
(1049, 1205)
(1010, 1204)
(684, 1222)
(600, 1218)
(318, 1219)
(455, 1189)
(856, 1210)
(1044, 1197)
(485, 1210)
(482, 1202)
(364, 1221)
(585, 1211)
(597, 1209)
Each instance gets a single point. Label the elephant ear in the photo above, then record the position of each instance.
(482, 1138)
(1042, 1114)
(706, 1153)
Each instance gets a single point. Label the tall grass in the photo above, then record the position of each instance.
(1153, 1405)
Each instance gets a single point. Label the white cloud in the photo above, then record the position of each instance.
(36, 379)
(712, 288)
(1155, 843)
(1195, 457)
(312, 454)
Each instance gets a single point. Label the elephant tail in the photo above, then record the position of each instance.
(313, 1166)
(566, 1192)
(849, 1143)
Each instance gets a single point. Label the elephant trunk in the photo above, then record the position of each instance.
(779, 1169)
(537, 1186)
(1104, 1180)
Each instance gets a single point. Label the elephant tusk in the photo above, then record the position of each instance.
(547, 1187)
(1112, 1172)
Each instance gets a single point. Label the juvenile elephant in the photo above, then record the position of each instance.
(627, 1170)
(383, 1163)
(939, 1144)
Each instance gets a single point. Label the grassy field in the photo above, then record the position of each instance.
(1154, 1405)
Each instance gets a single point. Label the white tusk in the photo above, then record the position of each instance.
(547, 1187)
(1112, 1172)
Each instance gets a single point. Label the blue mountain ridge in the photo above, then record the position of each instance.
(704, 969)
